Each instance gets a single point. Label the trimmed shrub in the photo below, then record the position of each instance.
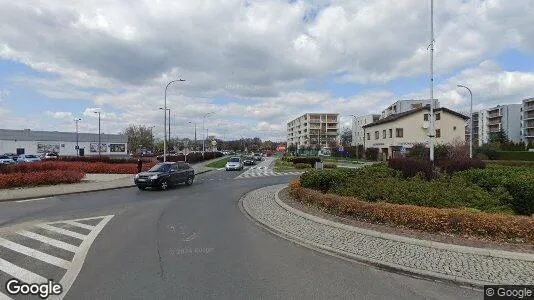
(419, 151)
(451, 166)
(515, 155)
(301, 166)
(87, 167)
(411, 166)
(489, 151)
(47, 177)
(330, 166)
(492, 226)
(511, 163)
(103, 159)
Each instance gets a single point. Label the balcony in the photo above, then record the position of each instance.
(528, 115)
(528, 107)
(494, 122)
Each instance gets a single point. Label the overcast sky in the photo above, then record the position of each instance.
(256, 64)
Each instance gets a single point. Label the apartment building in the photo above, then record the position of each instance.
(527, 120)
(405, 105)
(506, 118)
(314, 129)
(358, 137)
(480, 127)
(398, 132)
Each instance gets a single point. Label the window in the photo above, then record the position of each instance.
(454, 128)
(425, 117)
(438, 133)
(390, 133)
(377, 135)
(384, 134)
(399, 132)
(438, 116)
(368, 136)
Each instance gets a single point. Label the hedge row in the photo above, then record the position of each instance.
(48, 177)
(459, 221)
(192, 157)
(511, 163)
(411, 166)
(86, 167)
(103, 159)
(515, 155)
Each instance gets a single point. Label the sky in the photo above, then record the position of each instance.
(256, 64)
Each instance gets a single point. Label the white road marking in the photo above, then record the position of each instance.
(49, 241)
(53, 260)
(34, 199)
(62, 231)
(20, 273)
(78, 224)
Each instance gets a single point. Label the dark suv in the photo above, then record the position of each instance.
(165, 175)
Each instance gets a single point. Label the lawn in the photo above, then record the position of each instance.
(287, 166)
(218, 164)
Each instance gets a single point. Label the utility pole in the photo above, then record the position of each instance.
(99, 140)
(77, 137)
(165, 120)
(470, 122)
(431, 117)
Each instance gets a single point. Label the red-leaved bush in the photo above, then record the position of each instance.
(48, 177)
(430, 219)
(86, 167)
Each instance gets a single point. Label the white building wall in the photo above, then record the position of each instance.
(65, 148)
(358, 137)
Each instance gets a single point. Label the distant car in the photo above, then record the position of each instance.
(6, 160)
(13, 156)
(28, 158)
(257, 157)
(50, 155)
(234, 163)
(165, 175)
(249, 161)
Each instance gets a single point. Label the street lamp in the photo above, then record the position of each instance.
(195, 132)
(99, 140)
(204, 139)
(470, 121)
(77, 137)
(169, 134)
(165, 120)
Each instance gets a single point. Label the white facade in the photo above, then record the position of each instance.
(401, 131)
(405, 105)
(480, 127)
(501, 117)
(527, 120)
(314, 129)
(357, 127)
(63, 143)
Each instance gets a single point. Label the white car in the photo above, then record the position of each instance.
(6, 160)
(27, 158)
(234, 163)
(50, 155)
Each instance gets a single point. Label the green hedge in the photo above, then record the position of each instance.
(511, 163)
(495, 189)
(515, 155)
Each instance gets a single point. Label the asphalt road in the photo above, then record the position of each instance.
(195, 243)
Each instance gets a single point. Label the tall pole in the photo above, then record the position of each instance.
(77, 137)
(165, 120)
(203, 132)
(99, 141)
(470, 122)
(431, 127)
(169, 124)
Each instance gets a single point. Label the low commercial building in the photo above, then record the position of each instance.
(64, 143)
(314, 129)
(397, 133)
(358, 137)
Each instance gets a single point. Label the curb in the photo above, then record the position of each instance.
(80, 192)
(408, 240)
(422, 274)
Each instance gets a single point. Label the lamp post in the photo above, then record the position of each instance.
(352, 133)
(165, 120)
(195, 132)
(431, 117)
(169, 134)
(77, 137)
(204, 139)
(470, 121)
(99, 140)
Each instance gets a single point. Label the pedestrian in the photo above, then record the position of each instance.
(139, 165)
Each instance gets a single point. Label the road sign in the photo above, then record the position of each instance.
(341, 149)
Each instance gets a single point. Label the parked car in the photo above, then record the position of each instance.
(6, 160)
(50, 155)
(249, 161)
(27, 158)
(234, 163)
(13, 156)
(165, 175)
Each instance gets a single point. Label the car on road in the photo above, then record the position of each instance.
(50, 155)
(28, 158)
(249, 161)
(164, 175)
(234, 163)
(257, 157)
(6, 160)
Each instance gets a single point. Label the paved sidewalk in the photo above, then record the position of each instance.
(464, 265)
(91, 182)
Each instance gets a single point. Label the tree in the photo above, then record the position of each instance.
(139, 136)
(499, 137)
(346, 137)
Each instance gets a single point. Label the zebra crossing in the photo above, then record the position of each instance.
(47, 251)
(264, 171)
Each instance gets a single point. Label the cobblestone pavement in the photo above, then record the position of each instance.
(451, 264)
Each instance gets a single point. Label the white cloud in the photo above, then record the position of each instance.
(60, 115)
(4, 93)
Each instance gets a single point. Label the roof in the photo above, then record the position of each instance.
(56, 136)
(401, 115)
